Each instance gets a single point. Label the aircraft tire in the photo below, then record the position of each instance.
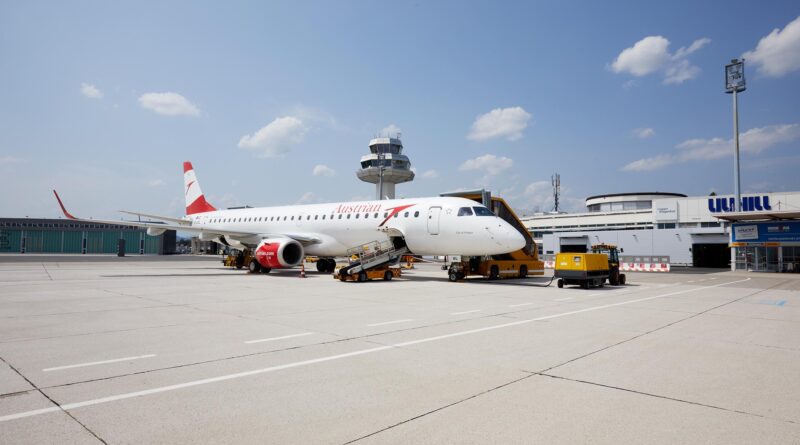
(253, 266)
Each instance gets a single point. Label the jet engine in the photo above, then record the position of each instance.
(152, 231)
(276, 253)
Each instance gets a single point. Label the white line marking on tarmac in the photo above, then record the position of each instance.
(521, 304)
(390, 322)
(465, 312)
(277, 338)
(81, 365)
(563, 299)
(130, 395)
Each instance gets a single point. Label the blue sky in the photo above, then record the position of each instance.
(105, 100)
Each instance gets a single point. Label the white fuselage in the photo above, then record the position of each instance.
(430, 226)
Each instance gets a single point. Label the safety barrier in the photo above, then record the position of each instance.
(628, 267)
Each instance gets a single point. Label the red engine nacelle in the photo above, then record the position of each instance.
(277, 253)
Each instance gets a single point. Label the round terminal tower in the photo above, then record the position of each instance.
(616, 202)
(385, 166)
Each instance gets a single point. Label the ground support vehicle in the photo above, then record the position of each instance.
(614, 277)
(385, 273)
(518, 264)
(238, 259)
(583, 269)
(492, 269)
(372, 260)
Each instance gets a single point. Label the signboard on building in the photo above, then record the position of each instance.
(767, 233)
(666, 212)
(748, 232)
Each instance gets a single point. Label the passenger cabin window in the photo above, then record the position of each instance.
(465, 211)
(416, 214)
(483, 211)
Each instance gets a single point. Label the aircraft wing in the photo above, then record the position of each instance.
(178, 221)
(185, 226)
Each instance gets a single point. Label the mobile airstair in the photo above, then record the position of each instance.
(371, 256)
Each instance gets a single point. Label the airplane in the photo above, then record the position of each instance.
(282, 236)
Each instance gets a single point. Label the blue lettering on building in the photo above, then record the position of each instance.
(749, 204)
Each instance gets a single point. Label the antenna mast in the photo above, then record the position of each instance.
(556, 181)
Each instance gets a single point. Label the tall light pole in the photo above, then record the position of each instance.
(734, 84)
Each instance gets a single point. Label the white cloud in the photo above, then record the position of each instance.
(91, 91)
(644, 57)
(538, 196)
(430, 174)
(308, 198)
(778, 53)
(680, 71)
(500, 122)
(651, 55)
(323, 170)
(390, 131)
(8, 160)
(648, 164)
(644, 133)
(168, 104)
(753, 141)
(277, 137)
(155, 183)
(489, 163)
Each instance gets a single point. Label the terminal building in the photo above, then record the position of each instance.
(34, 235)
(672, 228)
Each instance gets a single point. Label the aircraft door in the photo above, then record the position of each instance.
(433, 220)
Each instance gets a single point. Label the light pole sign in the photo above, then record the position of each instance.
(734, 76)
(734, 83)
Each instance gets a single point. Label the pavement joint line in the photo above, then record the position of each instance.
(693, 315)
(226, 377)
(57, 406)
(472, 311)
(102, 362)
(406, 320)
(443, 407)
(521, 304)
(261, 340)
(705, 405)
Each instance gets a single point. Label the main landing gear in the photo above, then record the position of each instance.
(326, 265)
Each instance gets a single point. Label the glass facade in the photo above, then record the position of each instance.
(56, 236)
(768, 258)
(620, 206)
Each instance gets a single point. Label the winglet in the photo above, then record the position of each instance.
(63, 209)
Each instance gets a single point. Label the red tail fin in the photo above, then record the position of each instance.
(195, 200)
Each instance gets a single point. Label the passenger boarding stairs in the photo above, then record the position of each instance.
(373, 254)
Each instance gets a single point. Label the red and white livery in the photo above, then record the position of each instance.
(282, 236)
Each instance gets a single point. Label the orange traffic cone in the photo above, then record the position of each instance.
(302, 270)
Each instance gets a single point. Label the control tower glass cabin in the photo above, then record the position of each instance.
(385, 166)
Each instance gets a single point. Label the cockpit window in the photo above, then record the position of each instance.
(465, 211)
(483, 211)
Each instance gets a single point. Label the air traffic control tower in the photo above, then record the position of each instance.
(385, 166)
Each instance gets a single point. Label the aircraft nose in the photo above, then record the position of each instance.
(513, 239)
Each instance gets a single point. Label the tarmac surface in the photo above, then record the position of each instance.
(184, 351)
